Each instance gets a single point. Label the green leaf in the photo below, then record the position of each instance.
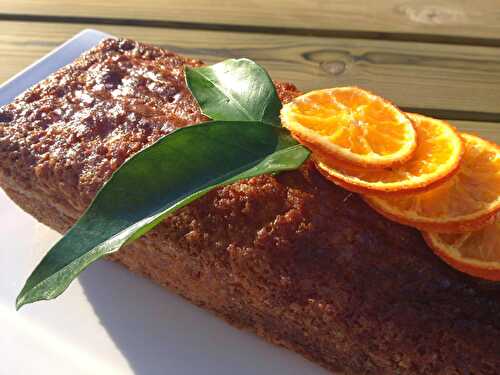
(235, 90)
(162, 178)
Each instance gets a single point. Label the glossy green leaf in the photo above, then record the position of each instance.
(235, 90)
(162, 178)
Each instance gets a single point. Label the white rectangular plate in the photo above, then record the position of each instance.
(110, 321)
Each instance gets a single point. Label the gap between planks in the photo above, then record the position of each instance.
(322, 33)
(463, 19)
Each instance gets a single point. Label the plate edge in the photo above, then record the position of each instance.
(96, 35)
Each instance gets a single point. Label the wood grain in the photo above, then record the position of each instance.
(418, 76)
(456, 18)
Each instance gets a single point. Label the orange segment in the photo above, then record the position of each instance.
(475, 253)
(353, 125)
(438, 154)
(463, 203)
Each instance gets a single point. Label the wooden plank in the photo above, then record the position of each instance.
(422, 77)
(457, 18)
(487, 130)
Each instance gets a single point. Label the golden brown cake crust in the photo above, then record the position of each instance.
(294, 258)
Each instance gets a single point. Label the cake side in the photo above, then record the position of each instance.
(294, 258)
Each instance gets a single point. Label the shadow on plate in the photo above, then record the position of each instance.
(160, 333)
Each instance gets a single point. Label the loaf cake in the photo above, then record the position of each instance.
(293, 258)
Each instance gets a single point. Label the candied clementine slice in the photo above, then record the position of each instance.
(353, 125)
(475, 253)
(438, 154)
(463, 203)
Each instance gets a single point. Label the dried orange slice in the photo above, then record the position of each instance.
(475, 253)
(438, 154)
(353, 125)
(463, 203)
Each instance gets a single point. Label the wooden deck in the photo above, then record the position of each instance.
(440, 58)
